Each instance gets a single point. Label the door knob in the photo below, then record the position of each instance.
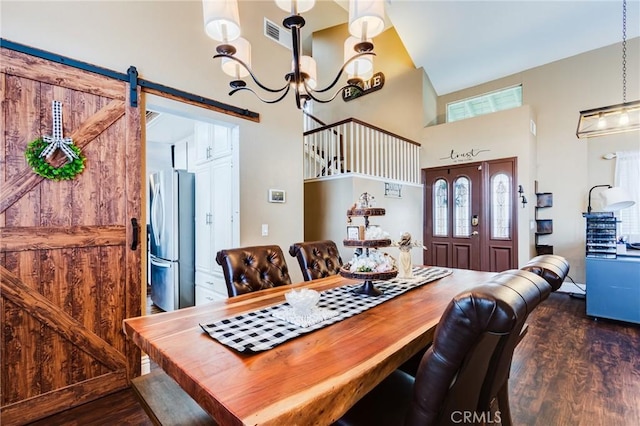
(474, 233)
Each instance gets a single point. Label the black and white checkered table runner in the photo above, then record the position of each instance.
(259, 330)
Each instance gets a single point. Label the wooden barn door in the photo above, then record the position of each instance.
(69, 272)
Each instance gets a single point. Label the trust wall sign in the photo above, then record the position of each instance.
(368, 86)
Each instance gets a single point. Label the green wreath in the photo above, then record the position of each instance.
(41, 167)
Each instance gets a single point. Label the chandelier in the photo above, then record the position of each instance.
(222, 23)
(624, 117)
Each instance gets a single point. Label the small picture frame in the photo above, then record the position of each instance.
(277, 196)
(354, 232)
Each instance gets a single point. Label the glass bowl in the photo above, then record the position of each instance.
(302, 301)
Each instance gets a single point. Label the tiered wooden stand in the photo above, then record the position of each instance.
(367, 287)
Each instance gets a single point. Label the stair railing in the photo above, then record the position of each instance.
(352, 146)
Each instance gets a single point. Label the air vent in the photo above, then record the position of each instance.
(277, 33)
(150, 116)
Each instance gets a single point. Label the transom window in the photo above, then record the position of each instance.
(484, 104)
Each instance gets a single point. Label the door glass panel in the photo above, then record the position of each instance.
(500, 206)
(462, 210)
(440, 208)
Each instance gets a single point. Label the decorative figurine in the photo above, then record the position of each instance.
(405, 265)
(366, 201)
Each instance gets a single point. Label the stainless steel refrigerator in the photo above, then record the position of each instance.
(172, 239)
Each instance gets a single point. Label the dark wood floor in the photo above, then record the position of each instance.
(568, 370)
(572, 370)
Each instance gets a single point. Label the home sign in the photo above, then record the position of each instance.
(374, 83)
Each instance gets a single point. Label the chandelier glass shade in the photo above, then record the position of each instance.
(221, 20)
(366, 20)
(294, 7)
(361, 67)
(243, 52)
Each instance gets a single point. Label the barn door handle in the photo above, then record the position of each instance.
(136, 233)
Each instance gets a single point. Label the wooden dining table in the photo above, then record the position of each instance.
(312, 379)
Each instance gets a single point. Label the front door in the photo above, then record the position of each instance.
(452, 196)
(470, 216)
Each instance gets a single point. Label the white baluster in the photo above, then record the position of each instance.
(345, 146)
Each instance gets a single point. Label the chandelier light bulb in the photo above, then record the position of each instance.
(602, 122)
(624, 118)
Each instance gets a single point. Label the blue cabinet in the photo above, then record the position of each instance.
(613, 288)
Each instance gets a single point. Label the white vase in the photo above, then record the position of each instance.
(405, 267)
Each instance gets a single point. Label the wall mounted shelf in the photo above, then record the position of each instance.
(543, 226)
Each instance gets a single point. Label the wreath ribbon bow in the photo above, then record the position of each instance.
(57, 141)
(39, 150)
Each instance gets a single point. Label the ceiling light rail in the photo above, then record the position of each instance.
(366, 20)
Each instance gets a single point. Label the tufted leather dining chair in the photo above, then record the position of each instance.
(553, 268)
(466, 364)
(248, 269)
(317, 259)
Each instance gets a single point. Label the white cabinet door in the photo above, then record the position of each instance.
(222, 205)
(214, 212)
(222, 141)
(217, 207)
(203, 135)
(204, 219)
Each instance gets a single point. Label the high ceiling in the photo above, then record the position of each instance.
(464, 43)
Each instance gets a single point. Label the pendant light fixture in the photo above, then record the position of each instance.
(222, 23)
(624, 117)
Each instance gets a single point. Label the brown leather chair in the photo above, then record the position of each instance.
(551, 267)
(465, 367)
(248, 269)
(317, 259)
